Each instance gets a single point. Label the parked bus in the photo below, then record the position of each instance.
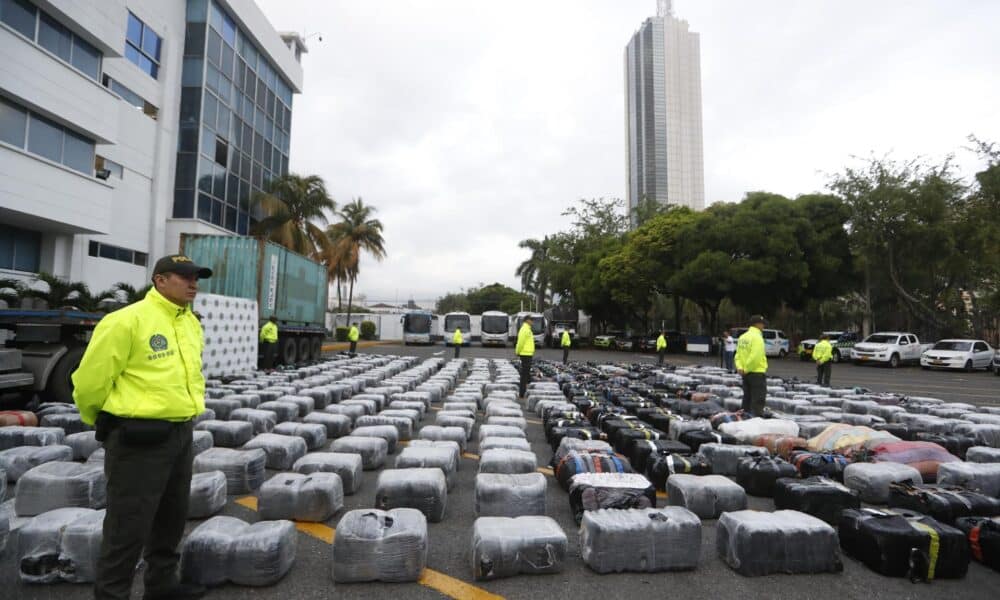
(537, 326)
(417, 326)
(494, 328)
(458, 320)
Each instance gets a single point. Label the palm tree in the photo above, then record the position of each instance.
(336, 266)
(292, 207)
(356, 232)
(129, 294)
(534, 272)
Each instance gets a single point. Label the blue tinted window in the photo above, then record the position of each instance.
(12, 123)
(134, 32)
(151, 44)
(19, 248)
(86, 58)
(228, 30)
(54, 37)
(132, 53)
(78, 153)
(45, 138)
(142, 46)
(20, 15)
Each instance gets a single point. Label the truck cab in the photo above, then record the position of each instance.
(893, 348)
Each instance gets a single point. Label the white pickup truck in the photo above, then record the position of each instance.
(891, 347)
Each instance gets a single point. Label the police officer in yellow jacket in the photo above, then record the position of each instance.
(457, 340)
(352, 336)
(565, 342)
(823, 356)
(525, 349)
(269, 343)
(140, 382)
(751, 363)
(661, 348)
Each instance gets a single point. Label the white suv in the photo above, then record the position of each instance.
(775, 341)
(891, 347)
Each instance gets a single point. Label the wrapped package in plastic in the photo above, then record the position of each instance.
(244, 469)
(321, 396)
(246, 400)
(510, 495)
(389, 433)
(297, 497)
(925, 457)
(348, 410)
(504, 409)
(757, 543)
(747, 431)
(347, 466)
(403, 426)
(224, 407)
(984, 539)
(69, 422)
(59, 484)
(263, 421)
(981, 477)
(594, 491)
(376, 545)
(455, 421)
(448, 445)
(208, 494)
(206, 415)
(983, 454)
(41, 546)
(313, 434)
(227, 434)
(306, 404)
(758, 474)
(872, 480)
(640, 451)
(227, 549)
(826, 464)
(501, 460)
(409, 405)
(83, 444)
(282, 411)
(944, 503)
(818, 496)
(661, 467)
(418, 456)
(680, 426)
(707, 496)
(647, 540)
(23, 418)
(505, 443)
(282, 450)
(518, 422)
(486, 431)
(15, 436)
(457, 405)
(407, 413)
(504, 547)
(576, 462)
(336, 425)
(845, 438)
(424, 489)
(373, 450)
(96, 457)
(567, 445)
(18, 461)
(201, 441)
(438, 433)
(725, 458)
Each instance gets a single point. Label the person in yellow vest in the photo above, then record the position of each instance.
(457, 340)
(823, 356)
(661, 348)
(140, 383)
(269, 343)
(565, 342)
(352, 336)
(751, 364)
(525, 350)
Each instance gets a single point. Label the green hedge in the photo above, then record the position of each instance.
(341, 335)
(367, 330)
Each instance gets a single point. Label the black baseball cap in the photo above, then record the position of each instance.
(758, 319)
(182, 265)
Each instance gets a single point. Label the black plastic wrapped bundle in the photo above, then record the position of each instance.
(639, 451)
(297, 497)
(227, 549)
(946, 504)
(282, 450)
(375, 545)
(60, 485)
(826, 464)
(594, 491)
(423, 489)
(227, 434)
(223, 407)
(984, 539)
(820, 497)
(504, 547)
(244, 469)
(660, 467)
(14, 436)
(758, 474)
(725, 458)
(314, 434)
(18, 461)
(372, 450)
(757, 543)
(263, 421)
(697, 437)
(208, 494)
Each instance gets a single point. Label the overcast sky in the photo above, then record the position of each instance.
(471, 125)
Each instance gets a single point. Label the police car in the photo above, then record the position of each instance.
(842, 342)
(775, 341)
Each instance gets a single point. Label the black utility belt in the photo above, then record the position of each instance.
(136, 432)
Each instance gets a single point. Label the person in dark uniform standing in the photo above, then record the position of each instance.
(140, 383)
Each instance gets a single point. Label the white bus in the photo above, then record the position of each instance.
(494, 328)
(417, 327)
(537, 326)
(457, 320)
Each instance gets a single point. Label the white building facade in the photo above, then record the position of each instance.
(663, 123)
(124, 123)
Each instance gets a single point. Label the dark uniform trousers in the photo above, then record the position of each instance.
(659, 357)
(565, 355)
(354, 348)
(148, 490)
(525, 374)
(754, 393)
(270, 351)
(823, 373)
(457, 348)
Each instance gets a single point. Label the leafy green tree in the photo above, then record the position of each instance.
(294, 209)
(452, 302)
(356, 232)
(534, 271)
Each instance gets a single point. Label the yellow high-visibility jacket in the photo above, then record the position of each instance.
(823, 352)
(269, 333)
(143, 361)
(661, 343)
(525, 341)
(750, 356)
(353, 334)
(457, 338)
(565, 342)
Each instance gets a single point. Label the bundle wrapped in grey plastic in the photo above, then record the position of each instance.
(70, 422)
(321, 397)
(568, 444)
(983, 454)
(208, 494)
(407, 413)
(244, 469)
(644, 540)
(501, 460)
(58, 484)
(448, 445)
(370, 406)
(207, 415)
(283, 411)
(96, 457)
(423, 489)
(980, 477)
(380, 400)
(518, 422)
(986, 434)
(336, 425)
(347, 466)
(409, 405)
(227, 434)
(375, 545)
(246, 400)
(438, 433)
(60, 545)
(413, 457)
(456, 421)
(282, 450)
(80, 547)
(486, 431)
(201, 441)
(459, 405)
(83, 444)
(263, 421)
(14, 436)
(504, 547)
(351, 411)
(679, 426)
(227, 549)
(404, 426)
(372, 450)
(504, 409)
(786, 541)
(872, 480)
(707, 496)
(224, 407)
(510, 495)
(305, 404)
(491, 443)
(725, 458)
(389, 433)
(314, 434)
(18, 461)
(297, 497)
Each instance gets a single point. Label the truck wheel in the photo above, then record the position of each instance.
(894, 361)
(59, 387)
(305, 349)
(289, 351)
(317, 347)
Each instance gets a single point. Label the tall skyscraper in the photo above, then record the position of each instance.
(664, 159)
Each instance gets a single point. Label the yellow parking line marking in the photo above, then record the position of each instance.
(316, 530)
(470, 455)
(546, 471)
(248, 501)
(661, 494)
(533, 421)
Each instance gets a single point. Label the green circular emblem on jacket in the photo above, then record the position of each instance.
(158, 343)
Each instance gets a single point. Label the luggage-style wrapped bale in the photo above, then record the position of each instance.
(58, 484)
(375, 545)
(640, 540)
(872, 480)
(336, 425)
(500, 460)
(983, 454)
(984, 539)
(424, 489)
(695, 438)
(820, 497)
(659, 468)
(14, 436)
(922, 456)
(297, 497)
(757, 543)
(208, 494)
(430, 457)
(373, 450)
(263, 421)
(510, 494)
(18, 461)
(898, 543)
(725, 458)
(826, 464)
(946, 504)
(507, 443)
(707, 496)
(313, 434)
(282, 450)
(244, 469)
(504, 547)
(227, 434)
(347, 466)
(594, 491)
(438, 433)
(982, 477)
(757, 474)
(576, 462)
(227, 549)
(83, 444)
(40, 546)
(641, 450)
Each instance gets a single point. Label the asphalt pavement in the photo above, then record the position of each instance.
(449, 557)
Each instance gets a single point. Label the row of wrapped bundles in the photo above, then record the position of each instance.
(228, 549)
(60, 545)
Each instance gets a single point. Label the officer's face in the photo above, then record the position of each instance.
(179, 289)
